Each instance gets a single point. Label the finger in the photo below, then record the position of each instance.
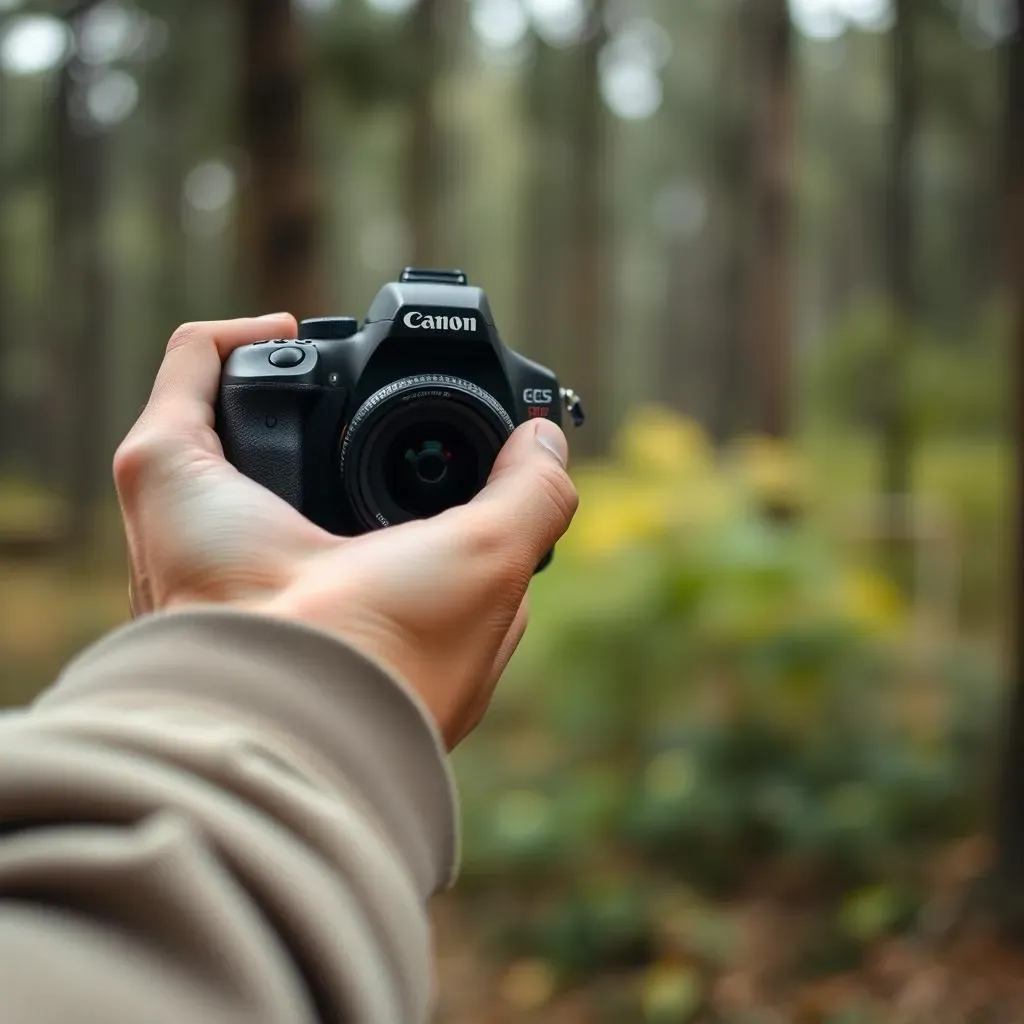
(529, 501)
(186, 385)
(178, 419)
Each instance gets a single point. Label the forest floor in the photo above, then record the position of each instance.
(963, 974)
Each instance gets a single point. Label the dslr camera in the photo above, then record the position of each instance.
(364, 427)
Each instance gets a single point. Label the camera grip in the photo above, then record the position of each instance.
(261, 431)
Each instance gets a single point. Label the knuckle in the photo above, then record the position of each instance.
(186, 334)
(127, 466)
(559, 490)
(133, 457)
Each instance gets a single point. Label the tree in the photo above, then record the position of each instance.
(6, 296)
(78, 392)
(691, 207)
(168, 97)
(542, 243)
(899, 250)
(1010, 811)
(280, 234)
(589, 273)
(424, 161)
(770, 278)
(722, 370)
(680, 352)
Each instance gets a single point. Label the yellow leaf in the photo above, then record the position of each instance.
(528, 984)
(607, 524)
(671, 993)
(772, 471)
(871, 601)
(658, 442)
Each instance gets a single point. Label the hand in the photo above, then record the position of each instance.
(441, 601)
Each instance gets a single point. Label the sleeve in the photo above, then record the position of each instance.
(217, 817)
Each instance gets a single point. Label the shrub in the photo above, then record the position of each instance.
(711, 696)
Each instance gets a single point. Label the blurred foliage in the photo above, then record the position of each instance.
(28, 511)
(723, 742)
(960, 403)
(957, 385)
(715, 709)
(712, 697)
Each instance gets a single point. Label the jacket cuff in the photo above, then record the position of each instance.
(350, 713)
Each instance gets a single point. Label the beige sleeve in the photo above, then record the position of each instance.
(215, 817)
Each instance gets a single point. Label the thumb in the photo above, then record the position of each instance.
(529, 494)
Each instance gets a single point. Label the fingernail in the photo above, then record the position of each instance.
(552, 440)
(271, 316)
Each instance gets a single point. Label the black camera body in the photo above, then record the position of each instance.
(366, 428)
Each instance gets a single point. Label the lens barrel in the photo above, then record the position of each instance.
(420, 446)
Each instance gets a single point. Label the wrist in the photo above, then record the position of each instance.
(374, 636)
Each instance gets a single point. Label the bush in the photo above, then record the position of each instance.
(711, 697)
(956, 386)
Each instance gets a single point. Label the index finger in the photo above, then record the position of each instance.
(186, 384)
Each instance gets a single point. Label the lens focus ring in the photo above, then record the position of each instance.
(414, 385)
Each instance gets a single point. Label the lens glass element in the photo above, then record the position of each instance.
(430, 466)
(420, 446)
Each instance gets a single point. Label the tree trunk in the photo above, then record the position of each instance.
(542, 241)
(680, 352)
(8, 451)
(424, 159)
(171, 151)
(724, 372)
(590, 280)
(770, 287)
(79, 397)
(1010, 813)
(280, 234)
(899, 237)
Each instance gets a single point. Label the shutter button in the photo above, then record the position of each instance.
(287, 357)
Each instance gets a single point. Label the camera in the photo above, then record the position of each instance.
(365, 427)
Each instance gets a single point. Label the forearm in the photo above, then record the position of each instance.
(228, 818)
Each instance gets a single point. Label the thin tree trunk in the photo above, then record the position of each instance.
(542, 242)
(724, 367)
(1010, 815)
(423, 168)
(8, 451)
(679, 353)
(169, 99)
(899, 252)
(590, 280)
(79, 392)
(770, 297)
(280, 234)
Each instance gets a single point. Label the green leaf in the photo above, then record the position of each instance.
(870, 913)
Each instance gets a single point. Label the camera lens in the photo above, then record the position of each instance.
(431, 467)
(420, 446)
(431, 461)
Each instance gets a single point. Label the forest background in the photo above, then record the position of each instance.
(761, 756)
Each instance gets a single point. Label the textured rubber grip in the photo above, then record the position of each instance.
(261, 431)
